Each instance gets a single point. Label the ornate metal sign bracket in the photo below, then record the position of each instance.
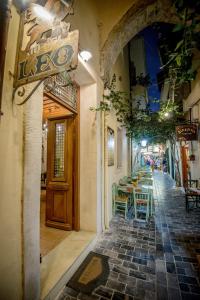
(21, 92)
(58, 85)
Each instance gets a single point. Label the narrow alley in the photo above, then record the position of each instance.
(100, 149)
(155, 260)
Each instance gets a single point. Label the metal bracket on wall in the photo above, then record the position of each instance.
(21, 92)
(50, 84)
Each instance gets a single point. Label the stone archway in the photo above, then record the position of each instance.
(140, 15)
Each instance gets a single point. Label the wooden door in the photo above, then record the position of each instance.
(59, 196)
(184, 165)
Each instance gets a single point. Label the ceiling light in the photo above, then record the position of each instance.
(42, 13)
(85, 55)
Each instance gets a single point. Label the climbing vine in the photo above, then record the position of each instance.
(159, 126)
(180, 59)
(140, 123)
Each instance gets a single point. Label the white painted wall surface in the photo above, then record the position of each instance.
(113, 174)
(11, 159)
(31, 197)
(88, 158)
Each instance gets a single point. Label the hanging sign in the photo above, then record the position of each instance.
(186, 132)
(46, 46)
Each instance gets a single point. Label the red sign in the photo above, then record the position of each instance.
(186, 132)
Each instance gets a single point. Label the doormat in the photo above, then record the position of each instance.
(93, 272)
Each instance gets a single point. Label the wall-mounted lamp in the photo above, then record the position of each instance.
(143, 143)
(85, 55)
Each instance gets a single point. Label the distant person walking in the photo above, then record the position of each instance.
(152, 164)
(164, 165)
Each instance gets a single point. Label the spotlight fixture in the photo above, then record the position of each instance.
(85, 55)
(42, 13)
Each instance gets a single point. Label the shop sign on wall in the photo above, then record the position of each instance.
(46, 46)
(186, 132)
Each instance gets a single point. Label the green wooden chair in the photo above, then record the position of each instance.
(120, 201)
(147, 181)
(141, 205)
(151, 199)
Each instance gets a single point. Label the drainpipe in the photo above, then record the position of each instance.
(4, 24)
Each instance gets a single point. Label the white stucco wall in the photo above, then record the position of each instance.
(20, 160)
(88, 158)
(11, 174)
(113, 173)
(193, 102)
(31, 193)
(194, 166)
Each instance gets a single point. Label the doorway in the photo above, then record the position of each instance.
(185, 165)
(59, 175)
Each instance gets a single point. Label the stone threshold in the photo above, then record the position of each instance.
(61, 263)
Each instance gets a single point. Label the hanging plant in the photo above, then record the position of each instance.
(139, 123)
(180, 59)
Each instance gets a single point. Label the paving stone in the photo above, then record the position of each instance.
(120, 269)
(162, 292)
(65, 297)
(120, 296)
(195, 289)
(184, 287)
(139, 261)
(130, 290)
(115, 261)
(116, 285)
(82, 296)
(124, 257)
(187, 279)
(110, 253)
(160, 266)
(119, 250)
(155, 260)
(170, 267)
(189, 296)
(104, 291)
(137, 274)
(127, 279)
(161, 278)
(71, 292)
(174, 294)
(146, 269)
(130, 265)
(113, 275)
(149, 295)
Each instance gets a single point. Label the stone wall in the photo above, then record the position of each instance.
(139, 16)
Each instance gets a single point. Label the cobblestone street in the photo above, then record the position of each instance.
(155, 260)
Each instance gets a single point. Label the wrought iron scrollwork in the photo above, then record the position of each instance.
(21, 92)
(60, 85)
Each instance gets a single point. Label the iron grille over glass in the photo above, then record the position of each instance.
(59, 150)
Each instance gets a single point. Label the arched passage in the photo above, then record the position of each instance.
(139, 16)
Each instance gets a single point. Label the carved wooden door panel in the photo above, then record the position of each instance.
(59, 199)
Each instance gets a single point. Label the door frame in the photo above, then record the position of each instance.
(76, 161)
(184, 164)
